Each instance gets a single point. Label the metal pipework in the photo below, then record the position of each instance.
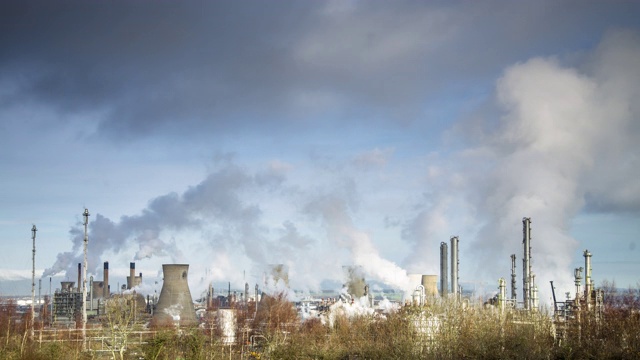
(454, 267)
(444, 258)
(578, 280)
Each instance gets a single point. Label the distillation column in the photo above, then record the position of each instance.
(455, 262)
(526, 263)
(588, 287)
(444, 271)
(513, 278)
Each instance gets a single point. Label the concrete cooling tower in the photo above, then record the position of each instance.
(175, 306)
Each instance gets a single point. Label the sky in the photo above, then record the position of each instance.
(232, 136)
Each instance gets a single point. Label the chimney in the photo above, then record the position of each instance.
(132, 275)
(175, 305)
(105, 289)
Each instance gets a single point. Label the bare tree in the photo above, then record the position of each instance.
(119, 322)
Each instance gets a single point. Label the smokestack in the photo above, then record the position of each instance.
(175, 305)
(526, 263)
(79, 276)
(444, 269)
(455, 262)
(587, 278)
(105, 289)
(513, 277)
(132, 275)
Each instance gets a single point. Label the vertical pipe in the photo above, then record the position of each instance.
(39, 294)
(444, 271)
(91, 293)
(587, 278)
(526, 263)
(33, 278)
(51, 303)
(513, 277)
(105, 289)
(84, 283)
(246, 293)
(502, 294)
(455, 262)
(256, 300)
(132, 275)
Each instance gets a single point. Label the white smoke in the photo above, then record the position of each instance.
(558, 123)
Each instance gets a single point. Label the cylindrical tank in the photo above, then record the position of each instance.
(227, 325)
(430, 283)
(175, 305)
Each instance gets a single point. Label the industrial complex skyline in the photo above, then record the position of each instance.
(234, 135)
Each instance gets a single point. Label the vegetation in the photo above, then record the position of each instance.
(436, 331)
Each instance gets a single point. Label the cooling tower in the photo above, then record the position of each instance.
(430, 283)
(175, 305)
(97, 289)
(66, 286)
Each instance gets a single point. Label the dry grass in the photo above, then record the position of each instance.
(436, 331)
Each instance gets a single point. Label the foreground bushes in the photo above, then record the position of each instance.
(438, 331)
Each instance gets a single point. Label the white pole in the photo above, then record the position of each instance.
(84, 283)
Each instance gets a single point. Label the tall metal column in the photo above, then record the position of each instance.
(84, 282)
(444, 269)
(513, 277)
(33, 279)
(526, 263)
(455, 262)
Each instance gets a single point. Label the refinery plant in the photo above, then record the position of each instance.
(107, 321)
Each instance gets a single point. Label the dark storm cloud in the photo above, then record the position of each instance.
(202, 67)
